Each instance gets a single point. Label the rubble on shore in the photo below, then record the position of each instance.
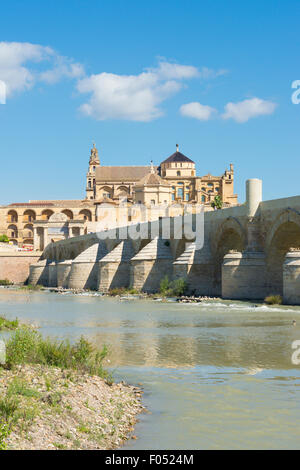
(66, 409)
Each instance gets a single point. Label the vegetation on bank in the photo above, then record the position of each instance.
(273, 300)
(29, 347)
(5, 282)
(175, 288)
(32, 287)
(123, 291)
(56, 385)
(6, 324)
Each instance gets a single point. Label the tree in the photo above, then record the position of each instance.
(217, 203)
(4, 239)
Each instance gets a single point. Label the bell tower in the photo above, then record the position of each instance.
(91, 174)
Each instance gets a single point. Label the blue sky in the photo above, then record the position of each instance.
(138, 77)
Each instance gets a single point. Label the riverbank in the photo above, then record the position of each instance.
(50, 408)
(54, 395)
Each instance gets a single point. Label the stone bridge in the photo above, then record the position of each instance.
(248, 252)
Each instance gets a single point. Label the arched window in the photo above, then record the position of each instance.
(68, 213)
(12, 231)
(29, 216)
(46, 214)
(85, 214)
(12, 216)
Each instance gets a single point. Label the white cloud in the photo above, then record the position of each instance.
(136, 97)
(21, 66)
(198, 111)
(242, 111)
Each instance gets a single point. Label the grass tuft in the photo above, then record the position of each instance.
(29, 347)
(8, 324)
(273, 300)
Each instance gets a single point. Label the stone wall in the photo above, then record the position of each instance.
(15, 266)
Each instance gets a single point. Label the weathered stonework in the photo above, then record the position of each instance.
(291, 277)
(84, 270)
(63, 273)
(244, 276)
(114, 268)
(150, 264)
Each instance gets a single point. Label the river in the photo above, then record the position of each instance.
(216, 375)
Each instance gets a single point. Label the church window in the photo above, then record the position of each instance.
(187, 197)
(90, 184)
(203, 198)
(180, 193)
(178, 173)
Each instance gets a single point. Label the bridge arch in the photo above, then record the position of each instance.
(283, 235)
(230, 235)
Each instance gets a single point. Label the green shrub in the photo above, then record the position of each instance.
(175, 288)
(164, 285)
(8, 324)
(123, 291)
(274, 300)
(4, 239)
(5, 282)
(29, 347)
(179, 287)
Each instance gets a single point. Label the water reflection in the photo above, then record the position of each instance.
(147, 333)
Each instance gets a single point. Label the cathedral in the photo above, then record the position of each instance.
(173, 183)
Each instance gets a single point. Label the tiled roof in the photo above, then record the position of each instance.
(178, 157)
(152, 179)
(122, 174)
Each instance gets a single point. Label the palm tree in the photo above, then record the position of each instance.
(217, 203)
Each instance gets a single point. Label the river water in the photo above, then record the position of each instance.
(216, 375)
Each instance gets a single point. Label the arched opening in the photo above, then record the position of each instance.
(230, 239)
(46, 214)
(28, 242)
(105, 192)
(286, 236)
(12, 231)
(68, 213)
(28, 231)
(85, 214)
(122, 191)
(12, 217)
(29, 216)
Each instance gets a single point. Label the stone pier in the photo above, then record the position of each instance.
(291, 277)
(84, 269)
(150, 265)
(197, 268)
(114, 268)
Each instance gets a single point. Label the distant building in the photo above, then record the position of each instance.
(173, 183)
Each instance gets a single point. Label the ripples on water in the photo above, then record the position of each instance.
(216, 374)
